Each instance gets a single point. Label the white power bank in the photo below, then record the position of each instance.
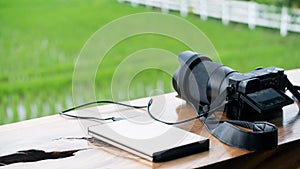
(154, 141)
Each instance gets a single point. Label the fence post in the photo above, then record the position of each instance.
(284, 21)
(203, 9)
(165, 6)
(225, 12)
(184, 8)
(149, 3)
(251, 15)
(133, 3)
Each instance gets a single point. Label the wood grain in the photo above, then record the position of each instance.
(56, 133)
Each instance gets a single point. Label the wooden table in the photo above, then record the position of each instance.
(61, 142)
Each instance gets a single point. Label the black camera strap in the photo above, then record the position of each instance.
(263, 135)
(241, 134)
(247, 135)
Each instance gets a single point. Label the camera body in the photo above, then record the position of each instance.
(256, 95)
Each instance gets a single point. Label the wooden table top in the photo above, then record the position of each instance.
(64, 142)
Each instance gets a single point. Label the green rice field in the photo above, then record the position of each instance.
(40, 41)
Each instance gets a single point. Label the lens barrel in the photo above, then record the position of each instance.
(198, 79)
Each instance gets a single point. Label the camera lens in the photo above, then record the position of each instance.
(218, 82)
(198, 79)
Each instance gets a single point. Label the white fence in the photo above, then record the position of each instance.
(250, 13)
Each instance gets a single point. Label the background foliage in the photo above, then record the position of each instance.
(40, 40)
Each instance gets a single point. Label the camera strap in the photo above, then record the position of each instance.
(247, 135)
(263, 135)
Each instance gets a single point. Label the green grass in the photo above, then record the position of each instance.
(40, 40)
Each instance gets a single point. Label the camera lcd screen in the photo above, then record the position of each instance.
(269, 99)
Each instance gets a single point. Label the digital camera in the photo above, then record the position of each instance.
(256, 95)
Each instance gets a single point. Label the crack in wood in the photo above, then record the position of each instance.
(92, 140)
(34, 155)
(74, 138)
